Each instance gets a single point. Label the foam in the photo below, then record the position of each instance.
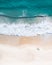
(26, 29)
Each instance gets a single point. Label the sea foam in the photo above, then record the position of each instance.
(26, 29)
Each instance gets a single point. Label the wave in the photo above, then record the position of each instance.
(43, 26)
(26, 27)
(23, 16)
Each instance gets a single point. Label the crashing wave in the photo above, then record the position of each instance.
(21, 27)
(26, 29)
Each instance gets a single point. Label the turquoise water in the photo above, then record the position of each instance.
(17, 8)
(25, 17)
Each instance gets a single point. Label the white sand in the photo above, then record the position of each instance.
(24, 55)
(26, 50)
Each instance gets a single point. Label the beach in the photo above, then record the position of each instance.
(22, 50)
(40, 40)
(25, 32)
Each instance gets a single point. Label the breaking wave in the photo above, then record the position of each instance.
(26, 27)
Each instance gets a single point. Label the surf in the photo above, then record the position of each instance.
(26, 27)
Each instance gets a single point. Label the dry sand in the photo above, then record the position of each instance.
(35, 50)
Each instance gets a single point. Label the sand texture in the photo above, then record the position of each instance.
(35, 50)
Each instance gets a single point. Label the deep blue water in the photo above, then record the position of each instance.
(17, 8)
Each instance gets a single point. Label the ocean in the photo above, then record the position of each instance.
(31, 8)
(25, 17)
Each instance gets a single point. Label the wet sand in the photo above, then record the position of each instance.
(43, 40)
(35, 50)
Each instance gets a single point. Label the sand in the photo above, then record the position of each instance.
(36, 50)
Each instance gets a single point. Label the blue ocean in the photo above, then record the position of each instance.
(15, 8)
(25, 17)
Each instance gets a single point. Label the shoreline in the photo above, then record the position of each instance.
(39, 40)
